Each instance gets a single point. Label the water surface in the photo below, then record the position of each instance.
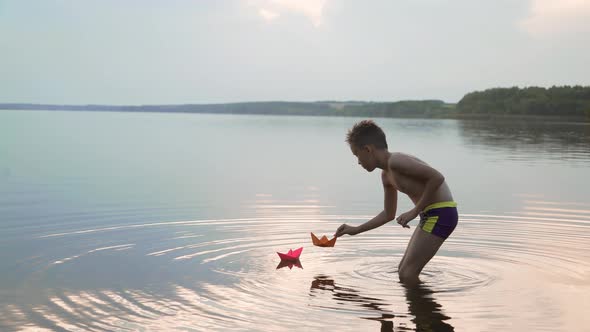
(121, 221)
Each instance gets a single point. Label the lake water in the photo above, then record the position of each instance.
(150, 222)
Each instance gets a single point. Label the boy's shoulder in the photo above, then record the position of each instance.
(400, 161)
(396, 157)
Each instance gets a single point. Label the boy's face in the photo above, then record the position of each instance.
(365, 157)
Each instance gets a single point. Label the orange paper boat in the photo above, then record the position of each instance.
(323, 241)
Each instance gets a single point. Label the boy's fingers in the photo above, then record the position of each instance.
(403, 224)
(339, 231)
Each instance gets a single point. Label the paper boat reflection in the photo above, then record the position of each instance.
(289, 263)
(323, 241)
(292, 255)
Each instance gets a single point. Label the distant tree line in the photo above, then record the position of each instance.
(401, 109)
(570, 101)
(560, 101)
(417, 108)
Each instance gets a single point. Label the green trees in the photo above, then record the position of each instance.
(558, 100)
(565, 101)
(407, 108)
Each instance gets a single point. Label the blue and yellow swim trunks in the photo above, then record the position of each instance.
(439, 218)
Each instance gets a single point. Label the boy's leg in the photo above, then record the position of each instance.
(421, 248)
(412, 239)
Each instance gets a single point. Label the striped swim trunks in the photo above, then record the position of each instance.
(439, 218)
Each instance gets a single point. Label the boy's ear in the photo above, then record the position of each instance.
(368, 148)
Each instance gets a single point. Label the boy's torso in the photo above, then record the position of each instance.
(414, 187)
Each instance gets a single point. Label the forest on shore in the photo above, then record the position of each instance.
(556, 101)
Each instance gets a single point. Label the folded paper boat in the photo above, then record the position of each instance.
(323, 241)
(292, 255)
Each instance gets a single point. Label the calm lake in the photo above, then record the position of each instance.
(156, 222)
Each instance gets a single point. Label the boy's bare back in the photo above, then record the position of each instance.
(408, 174)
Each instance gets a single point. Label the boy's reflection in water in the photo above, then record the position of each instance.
(427, 312)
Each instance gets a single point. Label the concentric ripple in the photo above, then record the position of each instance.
(218, 274)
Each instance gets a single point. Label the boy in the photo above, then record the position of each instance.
(424, 185)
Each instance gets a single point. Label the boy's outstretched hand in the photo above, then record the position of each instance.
(404, 218)
(345, 229)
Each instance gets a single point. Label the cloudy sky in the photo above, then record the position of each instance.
(214, 51)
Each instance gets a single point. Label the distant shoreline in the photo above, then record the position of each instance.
(569, 103)
(412, 109)
(422, 109)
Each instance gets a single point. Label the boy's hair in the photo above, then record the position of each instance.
(366, 132)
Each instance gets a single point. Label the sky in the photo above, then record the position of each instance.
(136, 52)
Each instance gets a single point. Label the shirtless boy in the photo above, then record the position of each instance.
(424, 185)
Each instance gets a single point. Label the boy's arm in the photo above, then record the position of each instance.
(433, 180)
(390, 197)
(387, 215)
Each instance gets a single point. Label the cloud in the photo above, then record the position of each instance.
(268, 15)
(272, 9)
(553, 17)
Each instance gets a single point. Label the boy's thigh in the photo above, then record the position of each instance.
(421, 248)
(412, 239)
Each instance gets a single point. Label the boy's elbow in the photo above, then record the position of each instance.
(390, 215)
